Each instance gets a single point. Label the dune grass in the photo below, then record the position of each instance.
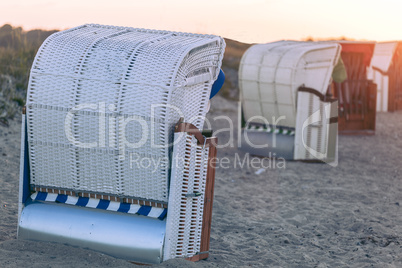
(17, 52)
(230, 65)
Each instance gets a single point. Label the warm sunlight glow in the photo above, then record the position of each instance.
(243, 20)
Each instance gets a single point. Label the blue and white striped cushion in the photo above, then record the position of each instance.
(149, 211)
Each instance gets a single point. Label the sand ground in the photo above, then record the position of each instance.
(303, 215)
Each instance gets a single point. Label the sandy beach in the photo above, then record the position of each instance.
(300, 215)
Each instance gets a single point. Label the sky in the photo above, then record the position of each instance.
(250, 21)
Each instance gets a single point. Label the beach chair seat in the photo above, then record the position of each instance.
(113, 154)
(283, 89)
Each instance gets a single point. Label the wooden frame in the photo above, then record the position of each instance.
(209, 188)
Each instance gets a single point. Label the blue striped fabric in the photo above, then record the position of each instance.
(149, 211)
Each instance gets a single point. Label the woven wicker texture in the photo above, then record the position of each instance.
(270, 74)
(185, 213)
(103, 101)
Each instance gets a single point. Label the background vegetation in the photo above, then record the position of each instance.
(17, 51)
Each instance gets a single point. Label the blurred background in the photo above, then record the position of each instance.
(25, 24)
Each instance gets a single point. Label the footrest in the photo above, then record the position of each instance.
(128, 236)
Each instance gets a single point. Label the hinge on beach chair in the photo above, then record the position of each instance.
(193, 130)
(194, 194)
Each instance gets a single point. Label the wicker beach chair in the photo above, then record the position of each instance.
(113, 156)
(385, 71)
(286, 112)
(357, 94)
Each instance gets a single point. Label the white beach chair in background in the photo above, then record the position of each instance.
(386, 71)
(113, 158)
(286, 112)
